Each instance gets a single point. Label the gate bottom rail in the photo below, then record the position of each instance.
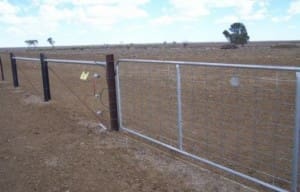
(203, 160)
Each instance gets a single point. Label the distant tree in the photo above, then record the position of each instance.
(51, 41)
(237, 35)
(31, 42)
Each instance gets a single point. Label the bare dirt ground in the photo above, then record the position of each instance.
(43, 148)
(58, 146)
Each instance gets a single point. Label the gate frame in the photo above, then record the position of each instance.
(296, 147)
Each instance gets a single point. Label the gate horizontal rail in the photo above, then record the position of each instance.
(205, 64)
(86, 62)
(203, 160)
(63, 61)
(26, 59)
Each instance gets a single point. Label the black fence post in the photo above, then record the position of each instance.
(111, 84)
(1, 69)
(14, 70)
(45, 77)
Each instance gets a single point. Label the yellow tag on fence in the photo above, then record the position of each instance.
(84, 75)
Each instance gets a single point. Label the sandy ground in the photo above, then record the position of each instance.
(45, 148)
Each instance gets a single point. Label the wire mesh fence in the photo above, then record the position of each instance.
(242, 119)
(149, 100)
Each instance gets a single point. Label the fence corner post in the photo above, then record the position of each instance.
(14, 70)
(1, 70)
(111, 84)
(45, 78)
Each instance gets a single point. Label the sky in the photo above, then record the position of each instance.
(93, 22)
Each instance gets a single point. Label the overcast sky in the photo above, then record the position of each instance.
(85, 22)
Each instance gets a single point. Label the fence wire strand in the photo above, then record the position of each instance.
(28, 79)
(81, 101)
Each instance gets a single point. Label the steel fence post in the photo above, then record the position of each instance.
(45, 77)
(14, 70)
(179, 107)
(111, 84)
(296, 147)
(1, 69)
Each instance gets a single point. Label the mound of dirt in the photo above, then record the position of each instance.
(33, 99)
(93, 127)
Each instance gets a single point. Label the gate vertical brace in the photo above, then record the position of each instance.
(111, 84)
(45, 78)
(14, 70)
(179, 107)
(296, 147)
(119, 100)
(1, 69)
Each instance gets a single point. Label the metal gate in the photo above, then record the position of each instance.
(242, 119)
